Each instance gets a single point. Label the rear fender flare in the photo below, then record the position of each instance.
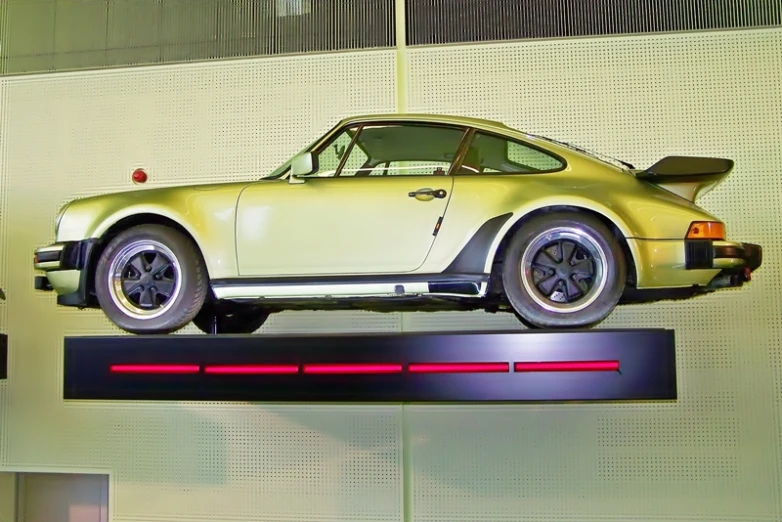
(523, 213)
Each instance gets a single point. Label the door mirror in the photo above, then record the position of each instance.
(303, 165)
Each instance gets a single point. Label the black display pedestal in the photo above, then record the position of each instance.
(527, 366)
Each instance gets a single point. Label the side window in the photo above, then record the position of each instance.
(489, 154)
(531, 158)
(405, 149)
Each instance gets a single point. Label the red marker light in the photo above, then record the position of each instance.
(335, 369)
(460, 367)
(139, 176)
(567, 366)
(254, 369)
(155, 368)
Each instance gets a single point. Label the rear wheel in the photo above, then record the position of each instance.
(564, 270)
(151, 279)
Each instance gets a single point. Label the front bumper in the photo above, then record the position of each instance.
(67, 267)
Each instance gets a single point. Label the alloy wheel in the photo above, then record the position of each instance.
(145, 279)
(564, 270)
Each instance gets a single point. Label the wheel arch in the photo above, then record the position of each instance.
(145, 218)
(114, 227)
(614, 224)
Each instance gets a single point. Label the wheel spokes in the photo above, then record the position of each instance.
(164, 287)
(584, 267)
(572, 290)
(568, 250)
(146, 298)
(545, 259)
(548, 285)
(131, 286)
(159, 264)
(137, 264)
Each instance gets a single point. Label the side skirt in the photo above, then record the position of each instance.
(379, 287)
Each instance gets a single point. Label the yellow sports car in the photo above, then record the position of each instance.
(401, 212)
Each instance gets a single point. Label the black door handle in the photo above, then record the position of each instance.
(439, 193)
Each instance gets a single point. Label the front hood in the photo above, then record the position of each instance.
(215, 186)
(136, 194)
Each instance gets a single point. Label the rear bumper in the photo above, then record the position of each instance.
(709, 266)
(66, 266)
(668, 263)
(735, 261)
(724, 255)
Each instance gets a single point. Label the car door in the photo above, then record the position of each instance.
(372, 206)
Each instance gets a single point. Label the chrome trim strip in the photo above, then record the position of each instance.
(56, 247)
(47, 265)
(341, 290)
(318, 290)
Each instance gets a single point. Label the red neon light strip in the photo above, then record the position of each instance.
(459, 367)
(372, 368)
(567, 366)
(155, 368)
(265, 369)
(352, 368)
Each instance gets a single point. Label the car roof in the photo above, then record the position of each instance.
(430, 118)
(486, 125)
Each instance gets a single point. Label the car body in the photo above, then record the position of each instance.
(401, 212)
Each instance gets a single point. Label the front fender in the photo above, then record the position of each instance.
(208, 216)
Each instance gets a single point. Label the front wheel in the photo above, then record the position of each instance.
(564, 270)
(151, 279)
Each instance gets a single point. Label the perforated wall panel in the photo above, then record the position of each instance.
(70, 135)
(715, 453)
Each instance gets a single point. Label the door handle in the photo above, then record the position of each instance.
(427, 194)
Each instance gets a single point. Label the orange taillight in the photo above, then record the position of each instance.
(706, 230)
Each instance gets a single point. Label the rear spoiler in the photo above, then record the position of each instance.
(686, 176)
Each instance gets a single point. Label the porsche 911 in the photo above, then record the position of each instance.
(401, 212)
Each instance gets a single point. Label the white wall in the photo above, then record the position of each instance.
(713, 455)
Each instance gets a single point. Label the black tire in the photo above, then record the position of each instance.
(541, 242)
(131, 266)
(230, 319)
